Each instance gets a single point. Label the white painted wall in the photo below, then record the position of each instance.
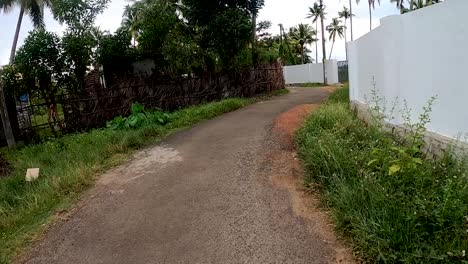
(416, 56)
(311, 73)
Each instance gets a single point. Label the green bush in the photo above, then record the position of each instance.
(394, 204)
(139, 117)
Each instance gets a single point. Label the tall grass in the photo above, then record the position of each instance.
(68, 165)
(395, 205)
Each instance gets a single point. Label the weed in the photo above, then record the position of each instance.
(378, 106)
(394, 204)
(311, 85)
(139, 117)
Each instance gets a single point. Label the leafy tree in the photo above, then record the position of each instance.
(115, 55)
(230, 34)
(262, 29)
(158, 20)
(43, 67)
(254, 8)
(224, 26)
(12, 80)
(79, 15)
(78, 48)
(78, 41)
(304, 35)
(335, 28)
(268, 46)
(132, 19)
(203, 13)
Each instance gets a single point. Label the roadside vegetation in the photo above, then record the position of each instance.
(311, 85)
(395, 204)
(69, 164)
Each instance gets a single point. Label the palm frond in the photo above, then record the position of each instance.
(7, 5)
(35, 11)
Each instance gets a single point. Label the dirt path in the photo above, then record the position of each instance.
(224, 191)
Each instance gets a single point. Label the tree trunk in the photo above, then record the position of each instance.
(15, 40)
(324, 52)
(331, 51)
(345, 41)
(351, 18)
(370, 17)
(10, 138)
(316, 42)
(254, 34)
(411, 5)
(302, 54)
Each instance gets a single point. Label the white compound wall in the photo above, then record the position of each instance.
(413, 57)
(311, 73)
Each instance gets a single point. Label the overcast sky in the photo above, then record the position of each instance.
(289, 13)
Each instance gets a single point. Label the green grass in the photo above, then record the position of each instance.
(280, 92)
(70, 164)
(312, 85)
(394, 205)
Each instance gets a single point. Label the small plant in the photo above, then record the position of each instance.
(139, 117)
(417, 129)
(397, 205)
(398, 158)
(312, 85)
(378, 105)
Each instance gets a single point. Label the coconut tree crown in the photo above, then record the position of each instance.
(335, 28)
(33, 8)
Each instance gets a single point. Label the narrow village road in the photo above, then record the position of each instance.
(204, 195)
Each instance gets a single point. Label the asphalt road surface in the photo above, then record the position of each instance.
(200, 196)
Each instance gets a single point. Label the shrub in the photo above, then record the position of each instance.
(395, 205)
(138, 118)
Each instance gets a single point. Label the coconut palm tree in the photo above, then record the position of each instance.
(335, 28)
(346, 14)
(34, 8)
(399, 5)
(131, 20)
(324, 51)
(416, 4)
(351, 18)
(314, 13)
(371, 6)
(304, 35)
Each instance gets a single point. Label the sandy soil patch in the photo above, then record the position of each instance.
(288, 174)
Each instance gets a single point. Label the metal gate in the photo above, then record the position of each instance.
(343, 71)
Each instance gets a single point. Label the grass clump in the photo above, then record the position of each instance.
(395, 205)
(69, 165)
(312, 85)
